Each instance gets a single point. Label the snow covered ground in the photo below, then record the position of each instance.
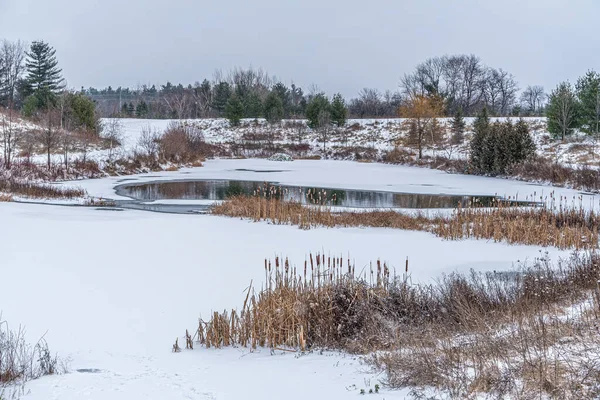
(114, 289)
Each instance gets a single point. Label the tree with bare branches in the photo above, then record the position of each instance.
(422, 112)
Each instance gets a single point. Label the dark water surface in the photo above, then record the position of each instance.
(223, 189)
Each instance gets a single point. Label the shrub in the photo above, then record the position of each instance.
(183, 143)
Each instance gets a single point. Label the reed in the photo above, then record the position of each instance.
(559, 224)
(506, 335)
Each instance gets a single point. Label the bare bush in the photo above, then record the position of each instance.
(112, 133)
(183, 143)
(149, 141)
(21, 361)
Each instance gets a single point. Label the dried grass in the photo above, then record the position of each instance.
(38, 191)
(505, 335)
(565, 228)
(20, 361)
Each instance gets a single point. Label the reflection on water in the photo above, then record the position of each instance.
(223, 189)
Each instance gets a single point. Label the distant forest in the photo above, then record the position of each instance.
(462, 81)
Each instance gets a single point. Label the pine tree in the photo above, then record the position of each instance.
(457, 128)
(141, 109)
(124, 110)
(234, 110)
(130, 110)
(222, 93)
(273, 108)
(43, 78)
(563, 111)
(315, 108)
(253, 105)
(480, 131)
(284, 94)
(588, 93)
(339, 112)
(526, 146)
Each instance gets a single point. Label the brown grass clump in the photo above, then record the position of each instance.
(38, 191)
(5, 197)
(566, 228)
(322, 305)
(527, 334)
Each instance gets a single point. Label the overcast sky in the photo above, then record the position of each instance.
(338, 45)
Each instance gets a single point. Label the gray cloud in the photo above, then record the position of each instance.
(339, 45)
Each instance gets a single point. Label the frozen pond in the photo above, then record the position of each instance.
(216, 190)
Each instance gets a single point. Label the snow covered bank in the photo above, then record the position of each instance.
(114, 290)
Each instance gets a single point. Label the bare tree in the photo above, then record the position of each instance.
(324, 127)
(149, 141)
(11, 134)
(66, 141)
(49, 137)
(112, 133)
(85, 140)
(499, 91)
(422, 112)
(533, 99)
(12, 58)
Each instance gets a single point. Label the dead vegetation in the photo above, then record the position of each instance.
(21, 361)
(530, 333)
(34, 190)
(565, 228)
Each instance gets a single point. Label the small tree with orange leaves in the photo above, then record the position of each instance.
(422, 112)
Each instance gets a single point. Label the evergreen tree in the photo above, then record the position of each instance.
(318, 105)
(124, 110)
(43, 75)
(130, 109)
(563, 111)
(273, 108)
(222, 93)
(478, 142)
(457, 128)
(81, 112)
(253, 105)
(339, 112)
(284, 94)
(525, 145)
(234, 110)
(141, 109)
(588, 93)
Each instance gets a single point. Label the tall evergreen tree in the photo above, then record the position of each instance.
(457, 128)
(315, 109)
(525, 145)
(234, 110)
(478, 142)
(563, 111)
(222, 93)
(43, 78)
(253, 105)
(273, 108)
(339, 112)
(588, 93)
(284, 94)
(141, 109)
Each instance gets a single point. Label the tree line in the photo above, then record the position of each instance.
(31, 82)
(461, 81)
